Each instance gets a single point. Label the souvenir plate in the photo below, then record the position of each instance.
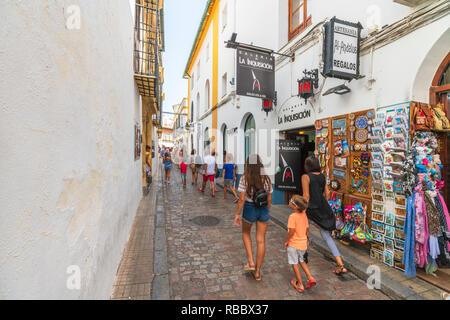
(351, 116)
(361, 122)
(361, 135)
(370, 114)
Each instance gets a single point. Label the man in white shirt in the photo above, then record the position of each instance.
(210, 169)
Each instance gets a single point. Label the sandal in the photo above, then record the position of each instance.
(254, 276)
(247, 267)
(311, 283)
(340, 270)
(294, 284)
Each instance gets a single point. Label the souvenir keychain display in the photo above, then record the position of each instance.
(389, 150)
(322, 146)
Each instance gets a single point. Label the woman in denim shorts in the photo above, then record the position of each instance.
(251, 180)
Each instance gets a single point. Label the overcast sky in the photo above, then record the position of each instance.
(181, 21)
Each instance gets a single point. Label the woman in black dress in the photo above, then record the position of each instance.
(316, 191)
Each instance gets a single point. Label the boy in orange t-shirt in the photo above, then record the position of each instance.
(297, 242)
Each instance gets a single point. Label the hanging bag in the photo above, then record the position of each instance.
(260, 198)
(423, 118)
(441, 122)
(336, 206)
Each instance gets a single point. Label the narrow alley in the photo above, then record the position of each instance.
(205, 256)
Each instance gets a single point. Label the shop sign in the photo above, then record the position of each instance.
(255, 74)
(341, 49)
(295, 116)
(287, 176)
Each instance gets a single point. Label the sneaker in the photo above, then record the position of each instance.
(236, 200)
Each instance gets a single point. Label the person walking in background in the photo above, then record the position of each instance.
(210, 169)
(229, 176)
(255, 200)
(183, 170)
(198, 165)
(316, 192)
(297, 242)
(167, 166)
(193, 167)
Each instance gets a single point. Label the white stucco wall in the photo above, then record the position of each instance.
(69, 184)
(402, 70)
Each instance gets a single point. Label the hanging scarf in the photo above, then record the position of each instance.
(434, 222)
(421, 231)
(409, 231)
(439, 186)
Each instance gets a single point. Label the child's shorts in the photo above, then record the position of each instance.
(295, 256)
(183, 176)
(228, 182)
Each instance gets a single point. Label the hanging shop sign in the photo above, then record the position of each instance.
(255, 74)
(341, 49)
(287, 176)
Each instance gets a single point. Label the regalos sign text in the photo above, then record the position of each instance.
(341, 49)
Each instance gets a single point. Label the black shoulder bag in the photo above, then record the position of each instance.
(260, 198)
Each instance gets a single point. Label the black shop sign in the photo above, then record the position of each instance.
(341, 49)
(255, 74)
(288, 172)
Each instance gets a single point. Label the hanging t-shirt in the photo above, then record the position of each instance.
(228, 168)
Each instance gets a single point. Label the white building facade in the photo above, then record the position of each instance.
(403, 43)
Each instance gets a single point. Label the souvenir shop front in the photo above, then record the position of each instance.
(385, 167)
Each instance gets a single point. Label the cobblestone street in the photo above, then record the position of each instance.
(206, 262)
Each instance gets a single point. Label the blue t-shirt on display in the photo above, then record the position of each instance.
(228, 168)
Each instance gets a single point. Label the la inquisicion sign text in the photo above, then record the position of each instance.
(255, 74)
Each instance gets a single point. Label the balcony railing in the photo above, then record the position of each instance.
(147, 48)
